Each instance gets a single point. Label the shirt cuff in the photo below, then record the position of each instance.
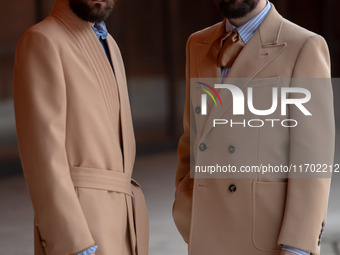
(295, 250)
(89, 250)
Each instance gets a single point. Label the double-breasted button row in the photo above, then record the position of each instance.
(203, 147)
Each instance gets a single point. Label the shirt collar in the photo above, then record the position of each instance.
(248, 29)
(100, 30)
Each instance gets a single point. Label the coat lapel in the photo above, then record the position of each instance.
(125, 111)
(259, 52)
(206, 66)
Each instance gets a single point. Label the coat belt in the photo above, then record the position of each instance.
(92, 178)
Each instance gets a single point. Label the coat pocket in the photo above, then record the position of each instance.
(269, 200)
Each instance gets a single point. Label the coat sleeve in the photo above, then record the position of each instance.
(311, 142)
(40, 111)
(184, 183)
(183, 153)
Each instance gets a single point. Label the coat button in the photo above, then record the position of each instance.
(231, 149)
(198, 110)
(43, 243)
(232, 188)
(203, 147)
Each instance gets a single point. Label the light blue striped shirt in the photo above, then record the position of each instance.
(247, 30)
(89, 251)
(294, 250)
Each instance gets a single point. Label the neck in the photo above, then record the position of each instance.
(241, 21)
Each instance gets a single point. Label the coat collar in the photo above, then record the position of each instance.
(269, 28)
(259, 52)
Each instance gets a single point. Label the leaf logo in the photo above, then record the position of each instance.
(209, 93)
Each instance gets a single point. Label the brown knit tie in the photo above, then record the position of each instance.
(226, 48)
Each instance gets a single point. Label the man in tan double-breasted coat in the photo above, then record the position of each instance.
(75, 135)
(255, 215)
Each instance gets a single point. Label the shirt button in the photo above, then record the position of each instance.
(232, 188)
(203, 147)
(231, 149)
(198, 110)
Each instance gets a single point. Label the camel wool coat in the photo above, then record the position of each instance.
(76, 140)
(258, 214)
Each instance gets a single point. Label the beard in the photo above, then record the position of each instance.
(234, 9)
(91, 11)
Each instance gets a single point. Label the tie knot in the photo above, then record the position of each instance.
(226, 48)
